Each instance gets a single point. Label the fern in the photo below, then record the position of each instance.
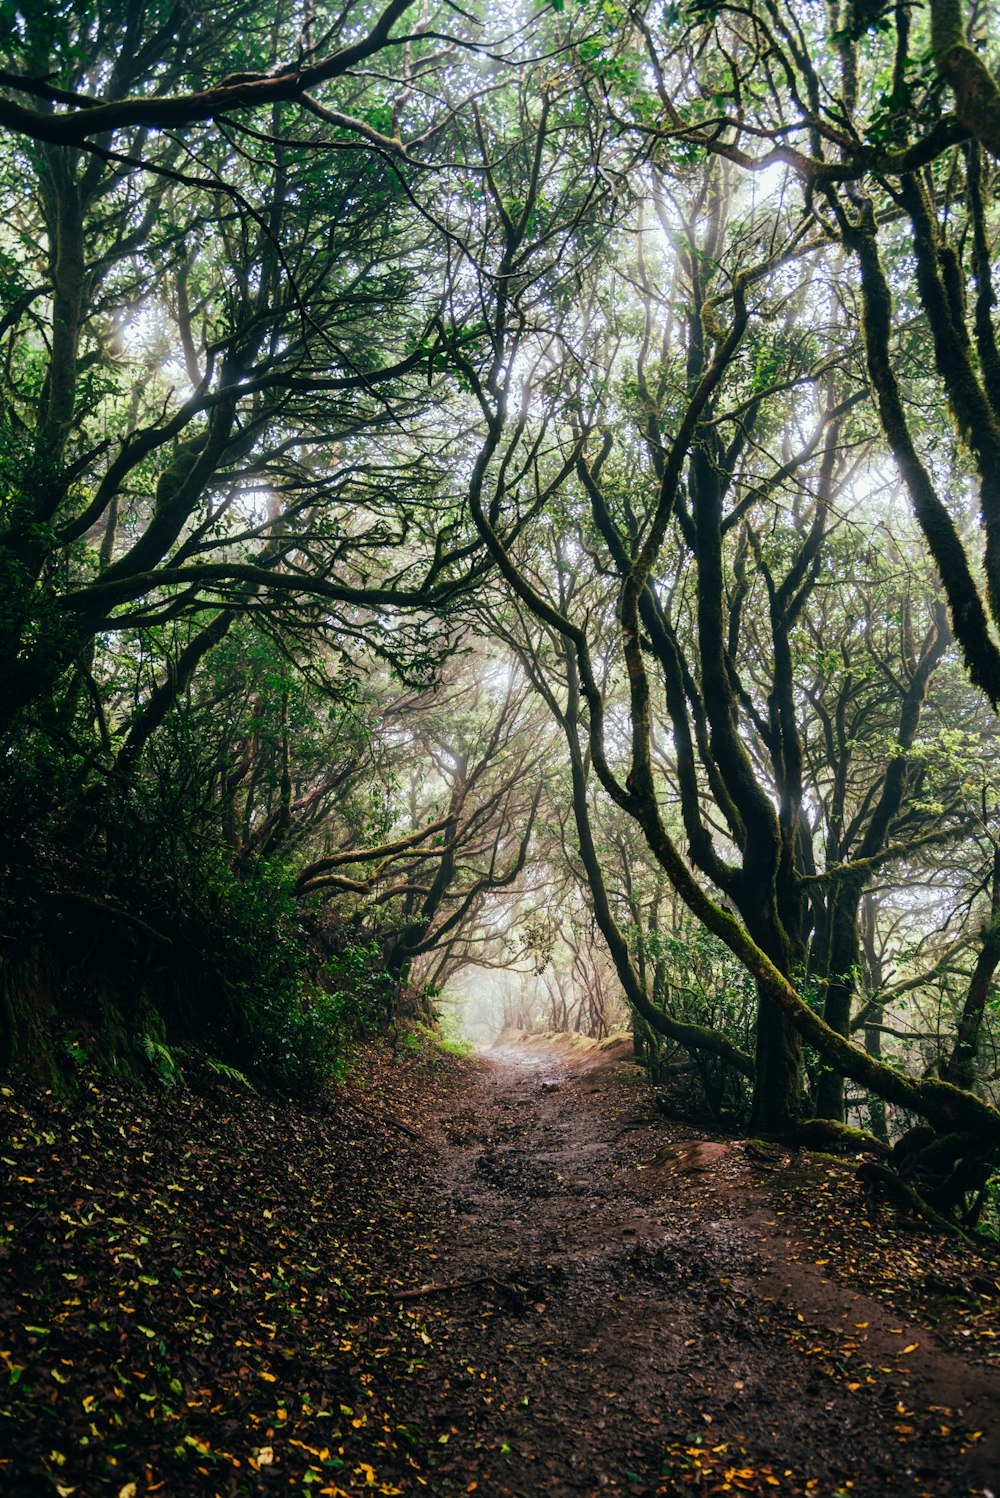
(194, 1061)
(161, 1061)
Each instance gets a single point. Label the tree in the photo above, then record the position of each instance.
(698, 450)
(853, 111)
(467, 765)
(217, 338)
(326, 350)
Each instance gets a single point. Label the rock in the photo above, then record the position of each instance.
(691, 1157)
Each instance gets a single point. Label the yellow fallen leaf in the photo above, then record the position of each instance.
(912, 1348)
(265, 1456)
(310, 1450)
(128, 1490)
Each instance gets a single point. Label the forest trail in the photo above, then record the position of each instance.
(661, 1330)
(467, 1276)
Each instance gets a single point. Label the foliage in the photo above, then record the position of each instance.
(375, 419)
(699, 980)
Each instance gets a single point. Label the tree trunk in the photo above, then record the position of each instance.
(877, 1120)
(845, 955)
(778, 1081)
(960, 1068)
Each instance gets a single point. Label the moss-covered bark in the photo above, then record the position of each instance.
(977, 98)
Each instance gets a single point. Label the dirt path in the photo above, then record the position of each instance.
(216, 1295)
(661, 1330)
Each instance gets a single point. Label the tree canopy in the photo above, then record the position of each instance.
(507, 490)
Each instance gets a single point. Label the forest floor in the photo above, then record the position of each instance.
(506, 1276)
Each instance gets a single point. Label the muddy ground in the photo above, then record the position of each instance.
(507, 1276)
(674, 1322)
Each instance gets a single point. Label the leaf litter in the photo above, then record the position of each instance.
(454, 1277)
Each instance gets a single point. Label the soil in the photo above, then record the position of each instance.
(671, 1323)
(509, 1276)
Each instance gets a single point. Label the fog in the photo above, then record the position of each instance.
(479, 1002)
